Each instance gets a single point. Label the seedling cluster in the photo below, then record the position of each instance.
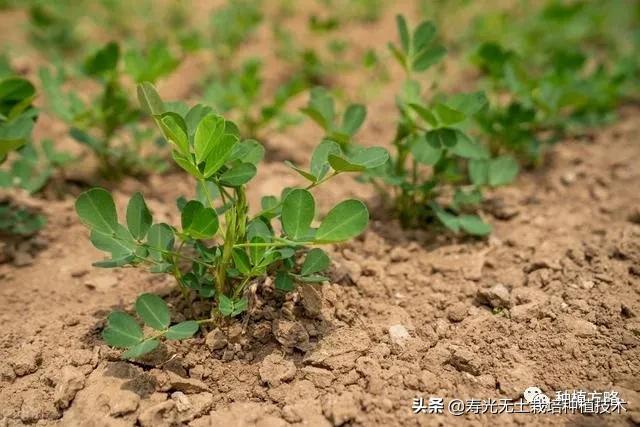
(540, 78)
(227, 248)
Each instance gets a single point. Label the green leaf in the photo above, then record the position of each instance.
(199, 222)
(103, 61)
(345, 221)
(182, 330)
(371, 157)
(220, 152)
(119, 244)
(424, 113)
(317, 260)
(423, 35)
(468, 149)
(479, 171)
(426, 151)
(185, 163)
(208, 134)
(229, 307)
(468, 103)
(443, 137)
(284, 282)
(141, 349)
(122, 330)
(321, 107)
(153, 311)
(447, 219)
(248, 151)
(313, 278)
(113, 263)
(340, 164)
(149, 99)
(175, 131)
(502, 170)
(97, 210)
(238, 175)
(353, 118)
(256, 253)
(302, 172)
(257, 227)
(320, 158)
(138, 217)
(298, 210)
(241, 260)
(403, 32)
(159, 238)
(474, 225)
(427, 58)
(447, 115)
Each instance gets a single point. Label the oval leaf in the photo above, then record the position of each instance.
(138, 217)
(345, 221)
(141, 349)
(316, 260)
(149, 99)
(207, 136)
(97, 210)
(182, 330)
(153, 311)
(160, 238)
(298, 210)
(238, 175)
(122, 330)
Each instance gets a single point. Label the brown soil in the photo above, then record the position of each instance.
(551, 299)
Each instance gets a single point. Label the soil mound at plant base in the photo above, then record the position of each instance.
(550, 300)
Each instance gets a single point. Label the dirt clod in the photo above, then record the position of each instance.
(275, 369)
(496, 297)
(71, 381)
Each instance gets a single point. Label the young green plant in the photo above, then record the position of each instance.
(108, 124)
(218, 250)
(438, 170)
(17, 117)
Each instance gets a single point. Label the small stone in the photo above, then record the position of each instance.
(320, 377)
(183, 403)
(185, 385)
(71, 381)
(7, 373)
(102, 283)
(227, 355)
(36, 405)
(579, 327)
(161, 414)
(79, 272)
(120, 403)
(311, 299)
(399, 335)
(26, 361)
(496, 297)
(216, 340)
(341, 409)
(274, 370)
(569, 177)
(22, 259)
(291, 334)
(399, 254)
(465, 360)
(457, 312)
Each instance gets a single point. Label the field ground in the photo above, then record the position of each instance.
(408, 313)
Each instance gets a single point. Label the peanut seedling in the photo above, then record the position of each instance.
(17, 116)
(225, 247)
(108, 124)
(435, 155)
